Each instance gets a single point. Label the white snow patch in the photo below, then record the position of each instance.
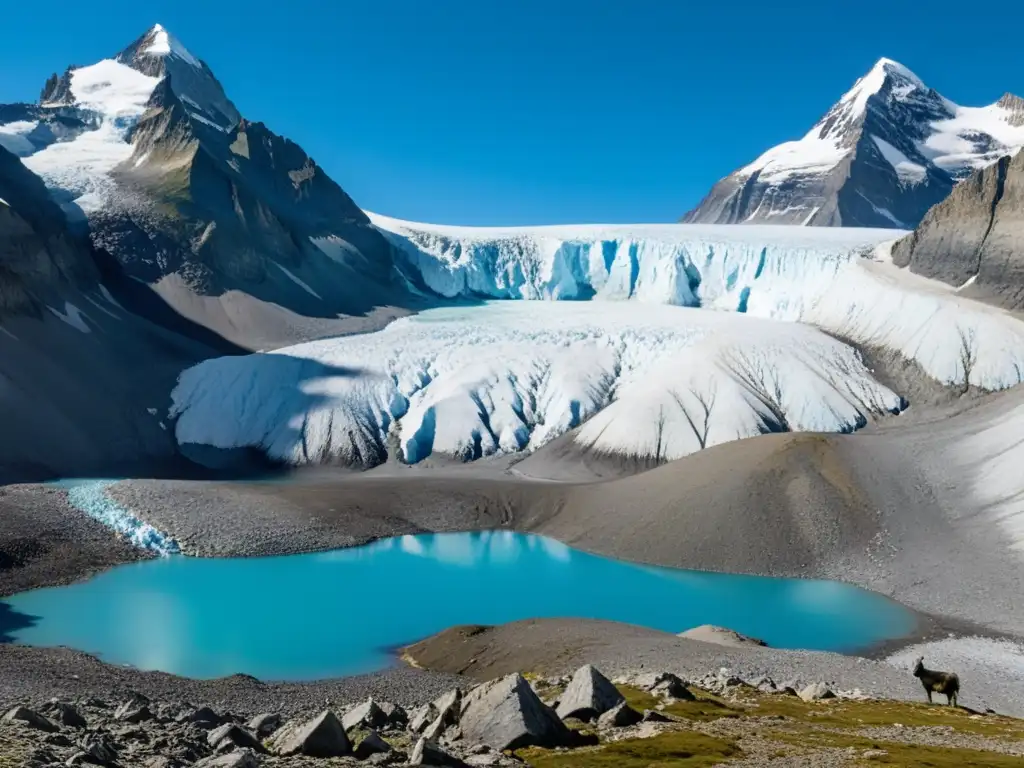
(907, 170)
(511, 376)
(807, 156)
(13, 137)
(90, 496)
(205, 121)
(968, 282)
(107, 295)
(163, 43)
(303, 285)
(4, 202)
(73, 316)
(973, 138)
(112, 89)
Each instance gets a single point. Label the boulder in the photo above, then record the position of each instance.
(372, 744)
(231, 736)
(816, 691)
(134, 710)
(507, 714)
(422, 717)
(66, 714)
(589, 695)
(162, 761)
(654, 716)
(447, 706)
(27, 717)
(264, 725)
(428, 753)
(670, 685)
(397, 717)
(620, 716)
(99, 748)
(365, 715)
(204, 717)
(434, 731)
(242, 758)
(323, 736)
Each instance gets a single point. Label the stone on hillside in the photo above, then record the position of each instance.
(231, 736)
(66, 714)
(422, 717)
(365, 715)
(265, 724)
(134, 710)
(589, 695)
(428, 753)
(709, 633)
(507, 714)
(204, 717)
(671, 685)
(654, 716)
(816, 691)
(371, 745)
(242, 758)
(447, 706)
(27, 717)
(620, 716)
(397, 717)
(99, 748)
(323, 736)
(162, 761)
(434, 731)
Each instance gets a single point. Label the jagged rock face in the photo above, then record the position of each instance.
(219, 206)
(159, 54)
(975, 238)
(38, 254)
(880, 157)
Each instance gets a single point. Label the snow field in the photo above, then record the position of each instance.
(475, 381)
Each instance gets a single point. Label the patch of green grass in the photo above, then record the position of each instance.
(706, 707)
(686, 749)
(902, 755)
(866, 714)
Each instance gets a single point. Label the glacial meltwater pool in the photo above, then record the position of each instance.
(303, 617)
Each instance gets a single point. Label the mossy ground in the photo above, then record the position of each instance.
(691, 749)
(714, 730)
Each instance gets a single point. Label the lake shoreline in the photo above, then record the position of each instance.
(34, 673)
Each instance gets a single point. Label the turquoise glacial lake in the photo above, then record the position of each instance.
(329, 614)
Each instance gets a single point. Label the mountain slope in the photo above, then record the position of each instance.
(974, 239)
(887, 151)
(235, 227)
(82, 378)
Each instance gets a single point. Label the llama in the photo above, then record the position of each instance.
(946, 683)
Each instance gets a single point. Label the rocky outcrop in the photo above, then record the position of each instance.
(507, 714)
(323, 736)
(589, 695)
(974, 240)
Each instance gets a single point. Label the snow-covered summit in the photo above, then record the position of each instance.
(163, 43)
(888, 150)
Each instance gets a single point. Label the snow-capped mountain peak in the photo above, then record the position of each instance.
(160, 42)
(885, 152)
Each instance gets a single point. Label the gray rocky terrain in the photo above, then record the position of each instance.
(973, 239)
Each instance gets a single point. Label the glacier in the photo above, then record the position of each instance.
(838, 279)
(644, 380)
(652, 341)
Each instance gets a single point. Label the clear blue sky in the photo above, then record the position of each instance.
(533, 111)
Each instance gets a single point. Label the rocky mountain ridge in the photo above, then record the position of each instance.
(886, 152)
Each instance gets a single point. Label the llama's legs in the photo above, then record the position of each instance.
(929, 692)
